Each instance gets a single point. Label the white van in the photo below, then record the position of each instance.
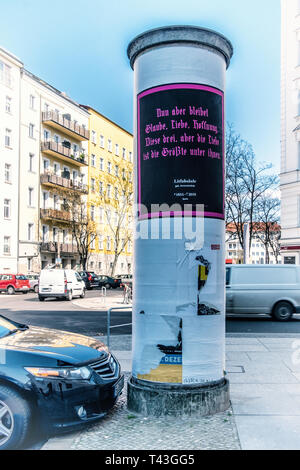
(263, 289)
(58, 283)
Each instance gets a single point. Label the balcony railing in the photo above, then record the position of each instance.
(69, 127)
(52, 247)
(67, 183)
(55, 214)
(65, 152)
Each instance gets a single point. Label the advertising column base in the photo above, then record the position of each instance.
(152, 399)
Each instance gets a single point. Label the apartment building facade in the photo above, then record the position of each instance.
(53, 164)
(110, 178)
(10, 84)
(290, 131)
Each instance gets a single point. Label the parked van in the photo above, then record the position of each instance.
(59, 283)
(263, 289)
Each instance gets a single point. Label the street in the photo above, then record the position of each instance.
(68, 316)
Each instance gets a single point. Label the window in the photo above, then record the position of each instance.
(116, 218)
(29, 264)
(5, 74)
(8, 104)
(101, 215)
(130, 176)
(100, 188)
(93, 184)
(45, 231)
(100, 243)
(56, 168)
(56, 202)
(30, 197)
(93, 246)
(7, 210)
(93, 160)
(108, 215)
(116, 170)
(31, 130)
(7, 138)
(129, 246)
(93, 213)
(7, 173)
(108, 190)
(94, 137)
(109, 145)
(117, 149)
(46, 165)
(55, 234)
(130, 157)
(99, 265)
(102, 141)
(31, 101)
(47, 135)
(123, 174)
(6, 246)
(116, 193)
(31, 162)
(124, 153)
(109, 167)
(101, 164)
(108, 244)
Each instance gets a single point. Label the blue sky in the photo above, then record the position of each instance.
(80, 47)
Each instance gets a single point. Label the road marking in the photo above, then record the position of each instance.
(118, 326)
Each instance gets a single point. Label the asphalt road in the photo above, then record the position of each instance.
(65, 315)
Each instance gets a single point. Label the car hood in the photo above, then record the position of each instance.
(62, 346)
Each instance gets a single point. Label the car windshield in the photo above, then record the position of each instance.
(21, 278)
(6, 327)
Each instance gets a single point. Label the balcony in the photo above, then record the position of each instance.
(55, 214)
(64, 153)
(52, 247)
(65, 125)
(49, 179)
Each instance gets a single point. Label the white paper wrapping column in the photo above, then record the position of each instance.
(165, 279)
(166, 284)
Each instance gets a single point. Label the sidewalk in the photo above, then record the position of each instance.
(101, 303)
(265, 414)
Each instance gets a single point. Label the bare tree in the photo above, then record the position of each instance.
(83, 226)
(268, 229)
(246, 182)
(117, 203)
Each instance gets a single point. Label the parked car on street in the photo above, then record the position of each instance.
(109, 282)
(33, 282)
(64, 380)
(90, 279)
(60, 283)
(263, 289)
(12, 283)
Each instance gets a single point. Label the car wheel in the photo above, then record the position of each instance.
(107, 286)
(41, 299)
(15, 414)
(69, 296)
(10, 290)
(283, 311)
(82, 295)
(25, 291)
(36, 289)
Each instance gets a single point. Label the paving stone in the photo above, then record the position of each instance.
(121, 430)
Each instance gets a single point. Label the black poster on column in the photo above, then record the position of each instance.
(181, 151)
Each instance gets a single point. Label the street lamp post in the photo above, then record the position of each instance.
(179, 280)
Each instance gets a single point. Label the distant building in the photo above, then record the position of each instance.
(257, 254)
(10, 78)
(290, 131)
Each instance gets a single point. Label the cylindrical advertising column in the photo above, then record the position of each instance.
(179, 280)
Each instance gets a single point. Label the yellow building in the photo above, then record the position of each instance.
(110, 180)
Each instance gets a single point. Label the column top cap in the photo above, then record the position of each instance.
(179, 34)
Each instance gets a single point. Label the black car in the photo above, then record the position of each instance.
(90, 279)
(109, 282)
(64, 378)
